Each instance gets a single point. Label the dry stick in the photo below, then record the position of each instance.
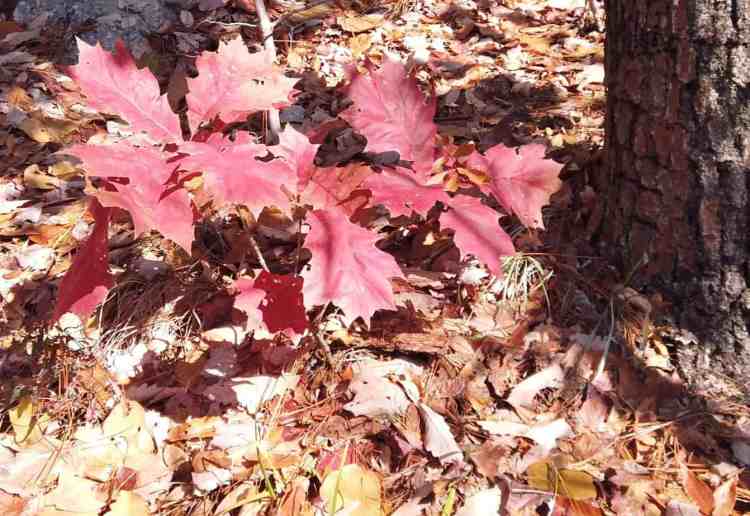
(266, 31)
(259, 254)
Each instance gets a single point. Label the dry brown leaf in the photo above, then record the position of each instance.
(524, 393)
(724, 498)
(698, 491)
(438, 438)
(295, 501)
(33, 177)
(11, 505)
(46, 130)
(357, 24)
(359, 44)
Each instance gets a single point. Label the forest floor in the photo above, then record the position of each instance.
(548, 391)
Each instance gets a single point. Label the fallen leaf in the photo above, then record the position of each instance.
(576, 485)
(698, 490)
(438, 438)
(27, 423)
(724, 498)
(524, 393)
(351, 491)
(356, 24)
(483, 503)
(128, 504)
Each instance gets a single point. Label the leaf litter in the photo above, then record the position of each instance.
(193, 386)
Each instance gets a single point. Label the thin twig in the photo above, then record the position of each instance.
(256, 248)
(266, 30)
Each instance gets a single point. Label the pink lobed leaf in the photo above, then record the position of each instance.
(113, 84)
(233, 174)
(391, 112)
(232, 83)
(319, 187)
(402, 192)
(337, 188)
(347, 268)
(282, 306)
(522, 181)
(298, 154)
(88, 280)
(477, 231)
(152, 204)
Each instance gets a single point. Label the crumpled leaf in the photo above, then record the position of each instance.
(476, 231)
(152, 204)
(113, 84)
(677, 508)
(351, 491)
(573, 484)
(347, 268)
(524, 393)
(250, 392)
(26, 422)
(521, 180)
(544, 434)
(486, 501)
(392, 113)
(438, 438)
(233, 83)
(725, 497)
(88, 280)
(698, 490)
(374, 393)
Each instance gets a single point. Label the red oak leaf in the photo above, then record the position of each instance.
(88, 280)
(113, 84)
(233, 174)
(298, 154)
(319, 187)
(248, 299)
(522, 181)
(282, 307)
(232, 83)
(151, 202)
(477, 231)
(402, 192)
(347, 268)
(337, 187)
(391, 112)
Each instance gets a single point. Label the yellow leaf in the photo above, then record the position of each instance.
(128, 504)
(352, 489)
(357, 24)
(128, 420)
(27, 425)
(46, 130)
(576, 485)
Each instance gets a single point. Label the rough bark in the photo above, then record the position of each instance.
(677, 179)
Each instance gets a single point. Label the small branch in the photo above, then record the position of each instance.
(266, 30)
(256, 248)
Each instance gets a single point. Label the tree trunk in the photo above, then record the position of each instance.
(677, 175)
